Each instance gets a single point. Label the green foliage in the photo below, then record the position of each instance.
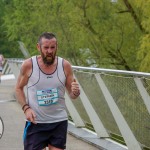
(90, 33)
(144, 49)
(7, 48)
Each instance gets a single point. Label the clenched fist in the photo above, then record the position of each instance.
(75, 88)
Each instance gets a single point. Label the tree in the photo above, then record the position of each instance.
(90, 33)
(144, 49)
(7, 47)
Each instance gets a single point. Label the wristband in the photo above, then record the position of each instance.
(26, 109)
(24, 106)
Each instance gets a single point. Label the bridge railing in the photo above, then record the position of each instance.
(114, 104)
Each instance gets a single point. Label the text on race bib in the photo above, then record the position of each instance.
(47, 97)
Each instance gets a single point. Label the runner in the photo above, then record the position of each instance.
(46, 76)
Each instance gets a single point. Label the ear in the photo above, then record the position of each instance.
(57, 45)
(38, 46)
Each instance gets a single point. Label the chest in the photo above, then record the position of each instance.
(45, 81)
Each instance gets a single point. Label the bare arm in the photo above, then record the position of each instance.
(71, 85)
(21, 83)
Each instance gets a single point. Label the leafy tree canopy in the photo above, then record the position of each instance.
(90, 33)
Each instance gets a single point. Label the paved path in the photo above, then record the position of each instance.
(13, 118)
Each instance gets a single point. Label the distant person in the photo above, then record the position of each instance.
(46, 76)
(1, 65)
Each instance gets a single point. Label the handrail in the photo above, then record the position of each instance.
(103, 70)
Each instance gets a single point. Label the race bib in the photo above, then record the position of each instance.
(47, 97)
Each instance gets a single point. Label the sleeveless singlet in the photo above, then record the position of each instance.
(45, 93)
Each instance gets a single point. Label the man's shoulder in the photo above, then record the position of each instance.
(27, 62)
(67, 65)
(65, 61)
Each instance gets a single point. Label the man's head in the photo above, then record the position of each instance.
(46, 35)
(47, 45)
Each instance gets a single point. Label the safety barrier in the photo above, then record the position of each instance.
(114, 104)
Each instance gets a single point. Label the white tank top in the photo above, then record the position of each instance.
(45, 93)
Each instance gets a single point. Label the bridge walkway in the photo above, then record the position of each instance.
(13, 119)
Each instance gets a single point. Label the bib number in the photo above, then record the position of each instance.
(47, 97)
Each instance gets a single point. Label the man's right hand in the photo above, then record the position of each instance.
(30, 115)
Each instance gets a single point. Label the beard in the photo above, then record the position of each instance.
(48, 59)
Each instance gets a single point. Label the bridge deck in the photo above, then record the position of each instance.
(13, 119)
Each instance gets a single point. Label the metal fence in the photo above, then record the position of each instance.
(113, 103)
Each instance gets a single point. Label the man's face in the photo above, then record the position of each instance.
(48, 49)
